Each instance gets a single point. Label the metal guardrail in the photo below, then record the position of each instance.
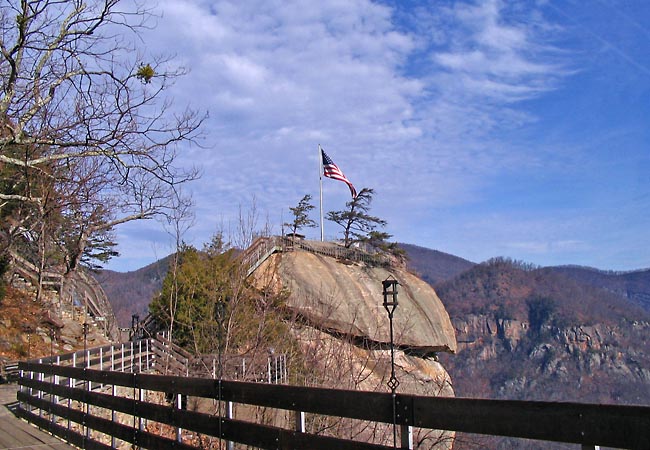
(343, 253)
(258, 252)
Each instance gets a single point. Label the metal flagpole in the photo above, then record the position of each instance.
(320, 179)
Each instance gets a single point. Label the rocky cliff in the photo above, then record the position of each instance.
(343, 300)
(533, 334)
(587, 363)
(343, 329)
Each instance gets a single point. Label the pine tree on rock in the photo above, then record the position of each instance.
(301, 215)
(356, 221)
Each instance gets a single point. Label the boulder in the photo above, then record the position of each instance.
(346, 297)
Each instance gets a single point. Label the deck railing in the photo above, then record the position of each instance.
(80, 404)
(86, 289)
(264, 247)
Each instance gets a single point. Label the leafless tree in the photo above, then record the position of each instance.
(85, 114)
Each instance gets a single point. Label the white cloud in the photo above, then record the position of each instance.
(499, 59)
(413, 115)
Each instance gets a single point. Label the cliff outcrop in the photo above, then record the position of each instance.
(343, 301)
(342, 328)
(593, 363)
(533, 334)
(347, 298)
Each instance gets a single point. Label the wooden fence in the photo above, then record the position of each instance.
(80, 403)
(79, 287)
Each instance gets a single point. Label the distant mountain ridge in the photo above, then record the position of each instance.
(131, 292)
(634, 285)
(434, 266)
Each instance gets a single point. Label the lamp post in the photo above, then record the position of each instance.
(219, 315)
(389, 286)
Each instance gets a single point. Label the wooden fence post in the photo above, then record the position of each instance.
(70, 385)
(114, 393)
(299, 417)
(57, 380)
(40, 393)
(148, 350)
(88, 388)
(141, 400)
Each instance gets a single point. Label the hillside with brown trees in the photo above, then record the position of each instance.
(527, 333)
(434, 266)
(131, 292)
(634, 285)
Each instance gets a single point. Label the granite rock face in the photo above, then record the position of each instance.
(346, 297)
(343, 330)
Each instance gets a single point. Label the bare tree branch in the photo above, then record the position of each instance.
(82, 124)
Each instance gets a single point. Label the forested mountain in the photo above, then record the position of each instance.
(528, 333)
(634, 285)
(131, 292)
(434, 266)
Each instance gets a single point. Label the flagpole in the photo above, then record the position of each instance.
(320, 179)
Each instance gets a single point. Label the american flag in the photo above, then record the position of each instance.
(331, 170)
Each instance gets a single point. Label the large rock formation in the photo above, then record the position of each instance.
(347, 297)
(343, 328)
(344, 299)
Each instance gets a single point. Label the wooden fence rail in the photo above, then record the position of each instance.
(49, 399)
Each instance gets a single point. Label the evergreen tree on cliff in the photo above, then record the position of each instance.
(301, 215)
(358, 225)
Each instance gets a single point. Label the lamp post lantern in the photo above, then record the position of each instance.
(389, 286)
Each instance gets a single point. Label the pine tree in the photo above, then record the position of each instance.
(357, 223)
(301, 215)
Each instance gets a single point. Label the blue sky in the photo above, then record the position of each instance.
(486, 128)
